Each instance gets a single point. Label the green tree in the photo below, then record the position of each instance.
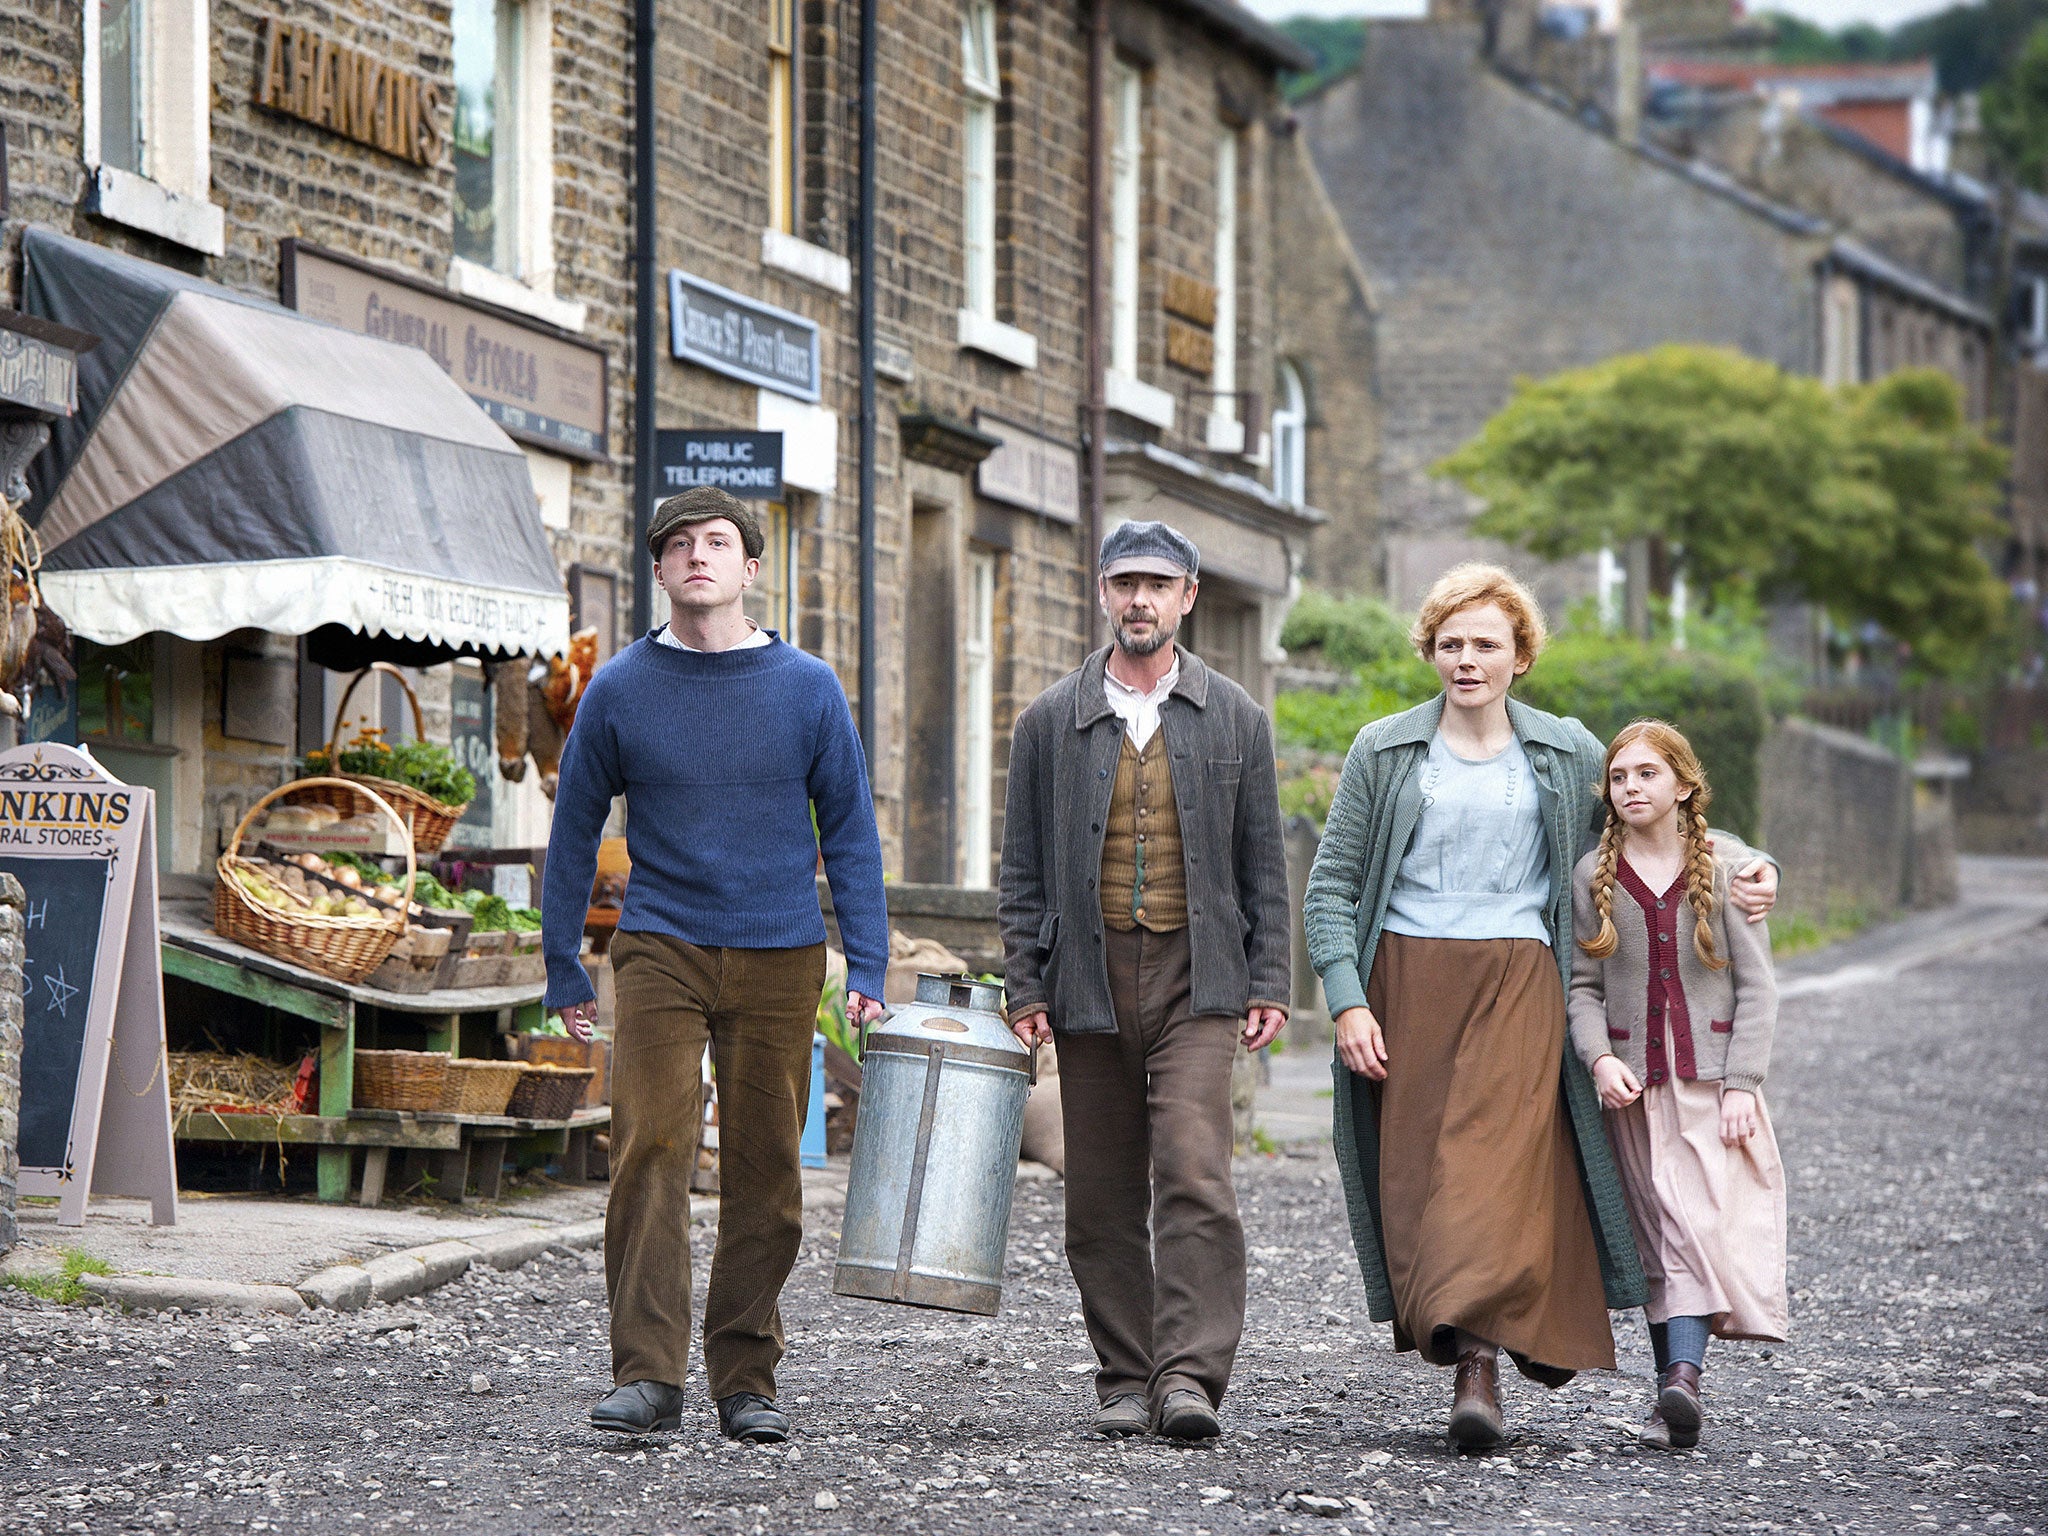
(1868, 500)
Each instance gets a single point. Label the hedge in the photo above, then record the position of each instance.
(1604, 680)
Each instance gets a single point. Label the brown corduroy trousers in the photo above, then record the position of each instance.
(757, 1009)
(1153, 1235)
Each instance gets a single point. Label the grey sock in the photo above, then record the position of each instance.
(1685, 1342)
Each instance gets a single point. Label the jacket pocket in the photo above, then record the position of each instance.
(1722, 1026)
(1048, 933)
(1617, 1034)
(1225, 770)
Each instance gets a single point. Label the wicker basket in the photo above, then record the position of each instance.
(413, 1080)
(549, 1093)
(480, 1087)
(346, 948)
(427, 819)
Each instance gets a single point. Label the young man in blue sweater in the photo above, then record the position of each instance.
(724, 740)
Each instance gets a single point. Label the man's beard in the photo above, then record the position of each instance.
(1163, 631)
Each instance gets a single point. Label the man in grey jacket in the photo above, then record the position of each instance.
(1143, 902)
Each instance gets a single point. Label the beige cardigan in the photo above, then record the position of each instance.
(1721, 1021)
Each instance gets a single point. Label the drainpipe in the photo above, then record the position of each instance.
(645, 353)
(1098, 306)
(865, 240)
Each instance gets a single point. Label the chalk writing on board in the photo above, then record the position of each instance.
(66, 898)
(61, 992)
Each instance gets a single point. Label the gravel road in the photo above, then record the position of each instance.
(1913, 1397)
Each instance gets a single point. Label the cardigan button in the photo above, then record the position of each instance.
(1665, 975)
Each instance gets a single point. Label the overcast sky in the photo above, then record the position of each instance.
(1830, 13)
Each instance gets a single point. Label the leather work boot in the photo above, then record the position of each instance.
(639, 1408)
(1186, 1415)
(750, 1417)
(1655, 1433)
(1122, 1416)
(1475, 1402)
(1678, 1403)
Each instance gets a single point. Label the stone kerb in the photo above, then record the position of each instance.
(12, 952)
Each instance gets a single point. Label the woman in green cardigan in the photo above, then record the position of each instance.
(1483, 1199)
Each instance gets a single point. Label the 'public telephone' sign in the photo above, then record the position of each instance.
(748, 464)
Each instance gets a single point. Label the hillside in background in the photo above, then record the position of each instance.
(1336, 41)
(1971, 44)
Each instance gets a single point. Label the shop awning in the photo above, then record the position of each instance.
(235, 465)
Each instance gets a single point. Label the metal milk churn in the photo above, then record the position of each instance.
(943, 1082)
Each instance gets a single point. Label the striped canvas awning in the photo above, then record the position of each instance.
(235, 465)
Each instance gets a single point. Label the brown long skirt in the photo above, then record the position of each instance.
(1481, 1211)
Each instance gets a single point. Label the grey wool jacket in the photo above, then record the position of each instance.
(1371, 823)
(1721, 1021)
(1063, 759)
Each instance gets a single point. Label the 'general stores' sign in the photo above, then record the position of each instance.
(540, 387)
(742, 337)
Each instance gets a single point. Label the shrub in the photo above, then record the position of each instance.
(1605, 681)
(1609, 680)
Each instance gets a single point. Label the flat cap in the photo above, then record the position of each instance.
(1151, 549)
(700, 504)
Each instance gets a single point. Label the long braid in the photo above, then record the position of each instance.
(1699, 878)
(1604, 942)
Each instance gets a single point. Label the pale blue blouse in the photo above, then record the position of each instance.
(1478, 867)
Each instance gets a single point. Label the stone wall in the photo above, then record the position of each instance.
(12, 952)
(1505, 238)
(1838, 817)
(1323, 324)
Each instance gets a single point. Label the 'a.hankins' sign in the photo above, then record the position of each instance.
(95, 1097)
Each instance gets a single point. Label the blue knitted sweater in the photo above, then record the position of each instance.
(722, 756)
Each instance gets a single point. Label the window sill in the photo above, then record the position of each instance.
(122, 197)
(1137, 399)
(813, 263)
(1223, 434)
(1006, 343)
(473, 280)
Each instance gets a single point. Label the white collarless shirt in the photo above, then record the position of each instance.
(1139, 711)
(759, 637)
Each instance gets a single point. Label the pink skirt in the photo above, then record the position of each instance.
(1709, 1219)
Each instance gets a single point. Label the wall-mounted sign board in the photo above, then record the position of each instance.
(747, 464)
(95, 1097)
(1030, 471)
(742, 337)
(542, 387)
(347, 91)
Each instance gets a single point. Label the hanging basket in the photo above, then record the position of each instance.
(427, 819)
(346, 948)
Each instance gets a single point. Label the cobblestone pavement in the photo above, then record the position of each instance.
(1913, 1398)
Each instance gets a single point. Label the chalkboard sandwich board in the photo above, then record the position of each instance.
(95, 1099)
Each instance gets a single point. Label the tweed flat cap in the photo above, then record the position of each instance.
(699, 504)
(1151, 549)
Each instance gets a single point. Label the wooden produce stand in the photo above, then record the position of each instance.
(197, 954)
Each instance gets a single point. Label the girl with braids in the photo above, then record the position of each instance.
(1672, 1010)
(1484, 1203)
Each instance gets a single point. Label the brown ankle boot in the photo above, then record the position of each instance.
(1475, 1401)
(1678, 1404)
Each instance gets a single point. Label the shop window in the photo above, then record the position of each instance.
(978, 728)
(1290, 438)
(145, 91)
(771, 601)
(982, 82)
(1125, 168)
(782, 134)
(1226, 432)
(117, 690)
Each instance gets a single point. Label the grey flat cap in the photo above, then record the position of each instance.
(1151, 549)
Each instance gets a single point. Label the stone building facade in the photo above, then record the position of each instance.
(1508, 233)
(215, 184)
(523, 212)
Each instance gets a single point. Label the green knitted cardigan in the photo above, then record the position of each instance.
(1371, 822)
